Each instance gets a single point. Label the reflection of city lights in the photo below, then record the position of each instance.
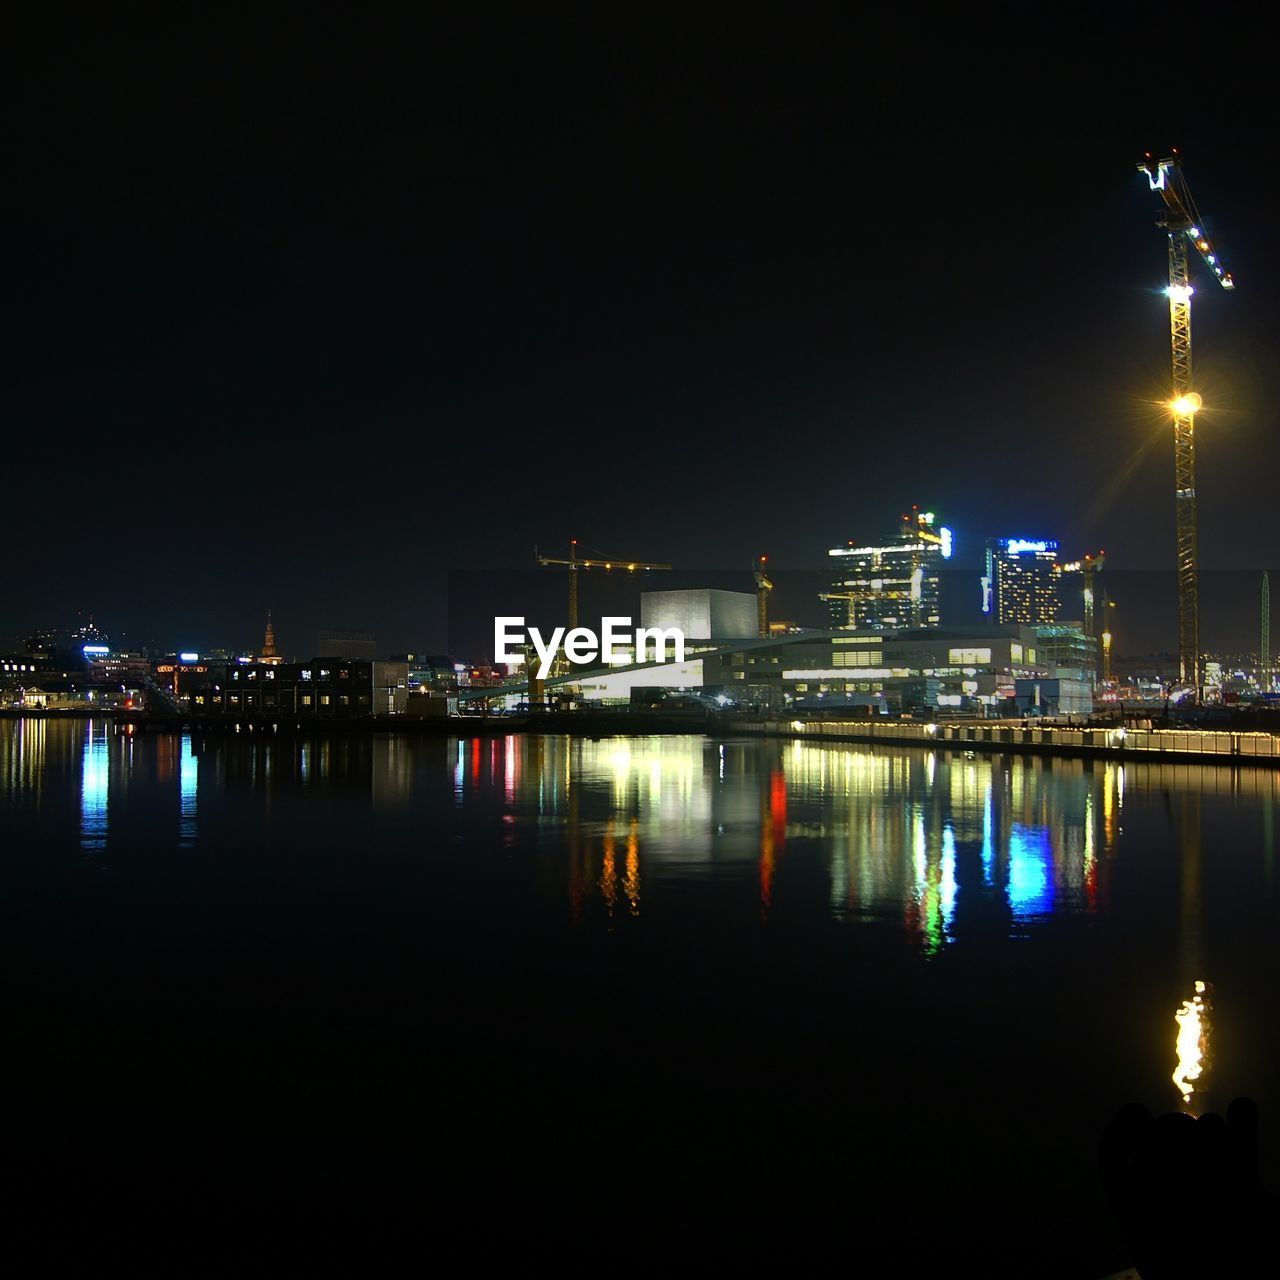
(1030, 871)
(188, 778)
(1192, 1044)
(93, 790)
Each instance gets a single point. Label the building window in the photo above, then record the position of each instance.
(324, 673)
(857, 658)
(306, 673)
(268, 674)
(969, 657)
(306, 699)
(235, 699)
(1015, 652)
(343, 700)
(324, 699)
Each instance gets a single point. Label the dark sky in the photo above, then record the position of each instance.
(307, 311)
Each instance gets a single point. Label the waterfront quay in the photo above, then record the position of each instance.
(1134, 740)
(1111, 741)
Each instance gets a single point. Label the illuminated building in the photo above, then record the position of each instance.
(269, 655)
(961, 672)
(701, 614)
(1021, 581)
(325, 688)
(1064, 645)
(893, 584)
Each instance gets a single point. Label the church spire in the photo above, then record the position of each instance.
(269, 653)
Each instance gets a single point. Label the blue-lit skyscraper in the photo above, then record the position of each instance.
(1021, 581)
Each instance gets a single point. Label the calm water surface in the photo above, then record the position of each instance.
(788, 994)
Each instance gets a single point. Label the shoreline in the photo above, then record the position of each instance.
(1185, 744)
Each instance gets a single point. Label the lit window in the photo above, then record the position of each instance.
(324, 674)
(969, 657)
(306, 699)
(324, 699)
(306, 673)
(343, 700)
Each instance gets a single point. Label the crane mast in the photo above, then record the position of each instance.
(1181, 222)
(764, 584)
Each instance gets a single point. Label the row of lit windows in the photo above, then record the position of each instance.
(306, 700)
(857, 658)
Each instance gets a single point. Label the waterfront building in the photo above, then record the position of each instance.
(1021, 582)
(893, 583)
(325, 688)
(701, 614)
(1065, 645)
(932, 670)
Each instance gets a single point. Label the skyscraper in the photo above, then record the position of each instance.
(893, 584)
(1021, 581)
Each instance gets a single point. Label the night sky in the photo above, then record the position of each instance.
(306, 312)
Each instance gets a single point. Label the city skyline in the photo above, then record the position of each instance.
(367, 327)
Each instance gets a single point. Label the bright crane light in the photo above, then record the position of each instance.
(1188, 404)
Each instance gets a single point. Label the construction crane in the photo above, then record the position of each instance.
(1106, 640)
(764, 584)
(1088, 567)
(1181, 221)
(577, 564)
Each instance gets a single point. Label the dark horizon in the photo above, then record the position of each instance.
(315, 312)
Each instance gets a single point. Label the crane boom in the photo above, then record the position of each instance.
(576, 563)
(1182, 223)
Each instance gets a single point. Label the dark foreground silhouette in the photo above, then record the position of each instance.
(1186, 1192)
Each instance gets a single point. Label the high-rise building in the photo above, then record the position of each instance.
(893, 584)
(1021, 581)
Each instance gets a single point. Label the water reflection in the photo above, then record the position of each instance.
(188, 777)
(1192, 1044)
(95, 775)
(939, 846)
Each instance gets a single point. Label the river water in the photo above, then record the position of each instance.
(736, 998)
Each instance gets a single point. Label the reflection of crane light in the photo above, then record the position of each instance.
(1192, 1042)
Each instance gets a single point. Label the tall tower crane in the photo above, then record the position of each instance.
(764, 584)
(1088, 567)
(1181, 221)
(577, 564)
